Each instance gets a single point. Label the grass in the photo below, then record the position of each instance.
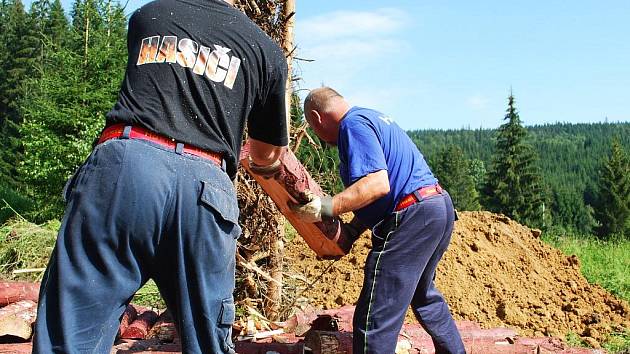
(24, 245)
(606, 263)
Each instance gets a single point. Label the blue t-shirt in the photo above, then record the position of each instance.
(369, 142)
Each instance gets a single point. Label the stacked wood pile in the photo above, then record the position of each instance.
(18, 312)
(319, 332)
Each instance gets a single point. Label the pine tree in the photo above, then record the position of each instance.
(613, 207)
(514, 186)
(454, 173)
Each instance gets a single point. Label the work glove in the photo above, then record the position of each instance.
(350, 233)
(266, 172)
(315, 209)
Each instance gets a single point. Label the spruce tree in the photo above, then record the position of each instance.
(454, 173)
(19, 47)
(65, 109)
(613, 207)
(514, 186)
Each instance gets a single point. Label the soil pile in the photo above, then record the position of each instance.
(495, 272)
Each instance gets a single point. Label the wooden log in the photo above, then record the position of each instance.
(127, 319)
(264, 348)
(17, 348)
(11, 292)
(139, 328)
(16, 320)
(291, 185)
(164, 329)
(326, 342)
(17, 307)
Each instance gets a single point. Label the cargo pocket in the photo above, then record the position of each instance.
(226, 319)
(223, 205)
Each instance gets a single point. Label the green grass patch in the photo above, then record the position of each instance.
(26, 246)
(606, 263)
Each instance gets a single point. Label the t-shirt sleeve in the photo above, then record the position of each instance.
(267, 121)
(362, 149)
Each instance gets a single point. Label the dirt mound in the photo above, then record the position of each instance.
(495, 272)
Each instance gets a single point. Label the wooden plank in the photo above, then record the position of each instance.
(290, 185)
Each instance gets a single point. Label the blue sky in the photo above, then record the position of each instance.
(451, 64)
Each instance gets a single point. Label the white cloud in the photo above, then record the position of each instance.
(477, 102)
(346, 24)
(348, 46)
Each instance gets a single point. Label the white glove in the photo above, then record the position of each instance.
(315, 209)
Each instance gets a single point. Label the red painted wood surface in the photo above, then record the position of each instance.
(11, 292)
(291, 184)
(139, 328)
(127, 319)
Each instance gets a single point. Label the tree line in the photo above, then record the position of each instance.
(59, 75)
(578, 174)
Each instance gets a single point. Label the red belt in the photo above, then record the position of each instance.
(418, 195)
(117, 131)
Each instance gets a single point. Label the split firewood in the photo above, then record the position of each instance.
(127, 319)
(11, 292)
(16, 320)
(139, 329)
(164, 329)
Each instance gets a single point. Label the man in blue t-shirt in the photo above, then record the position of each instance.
(391, 189)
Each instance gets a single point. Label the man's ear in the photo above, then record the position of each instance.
(316, 117)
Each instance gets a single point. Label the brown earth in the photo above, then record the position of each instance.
(495, 272)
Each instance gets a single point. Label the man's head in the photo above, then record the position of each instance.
(324, 108)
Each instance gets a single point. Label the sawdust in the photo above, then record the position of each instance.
(496, 272)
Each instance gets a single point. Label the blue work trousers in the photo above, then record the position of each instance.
(399, 271)
(136, 210)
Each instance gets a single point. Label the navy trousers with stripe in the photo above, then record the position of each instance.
(137, 211)
(399, 271)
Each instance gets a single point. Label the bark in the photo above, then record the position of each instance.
(127, 319)
(324, 342)
(164, 329)
(11, 292)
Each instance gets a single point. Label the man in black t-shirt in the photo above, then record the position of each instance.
(155, 198)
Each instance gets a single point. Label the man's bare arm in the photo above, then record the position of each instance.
(263, 154)
(361, 193)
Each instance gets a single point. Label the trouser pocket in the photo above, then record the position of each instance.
(226, 320)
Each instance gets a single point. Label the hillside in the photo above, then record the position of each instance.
(570, 156)
(495, 272)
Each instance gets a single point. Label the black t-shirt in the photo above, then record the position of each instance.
(197, 71)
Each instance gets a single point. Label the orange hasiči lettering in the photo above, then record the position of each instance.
(235, 64)
(168, 50)
(187, 52)
(215, 64)
(218, 64)
(148, 50)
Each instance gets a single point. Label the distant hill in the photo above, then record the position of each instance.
(570, 158)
